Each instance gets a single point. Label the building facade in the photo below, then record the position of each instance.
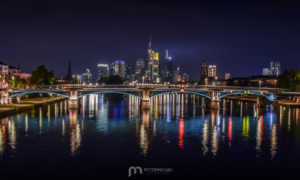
(3, 69)
(212, 71)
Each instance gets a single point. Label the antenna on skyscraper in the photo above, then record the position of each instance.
(149, 43)
(167, 54)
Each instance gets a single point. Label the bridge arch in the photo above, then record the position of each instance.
(268, 96)
(109, 92)
(184, 92)
(37, 92)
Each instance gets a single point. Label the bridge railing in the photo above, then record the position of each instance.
(141, 85)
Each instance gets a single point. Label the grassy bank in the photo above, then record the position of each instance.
(26, 104)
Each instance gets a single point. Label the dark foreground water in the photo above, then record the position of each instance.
(177, 137)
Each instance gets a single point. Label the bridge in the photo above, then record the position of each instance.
(144, 92)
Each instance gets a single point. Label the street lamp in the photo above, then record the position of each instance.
(143, 77)
(259, 82)
(73, 76)
(13, 78)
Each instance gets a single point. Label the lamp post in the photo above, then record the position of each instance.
(143, 77)
(259, 82)
(13, 78)
(73, 76)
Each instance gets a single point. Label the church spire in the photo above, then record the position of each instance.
(69, 73)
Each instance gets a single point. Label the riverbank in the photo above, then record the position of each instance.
(280, 102)
(289, 103)
(26, 104)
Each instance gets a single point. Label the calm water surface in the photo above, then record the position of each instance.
(110, 133)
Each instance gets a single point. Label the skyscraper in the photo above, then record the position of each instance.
(153, 64)
(87, 76)
(129, 72)
(139, 69)
(204, 71)
(212, 71)
(103, 71)
(170, 69)
(275, 68)
(185, 77)
(163, 67)
(176, 76)
(118, 68)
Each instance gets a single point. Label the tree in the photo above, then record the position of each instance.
(112, 80)
(290, 80)
(15, 82)
(41, 76)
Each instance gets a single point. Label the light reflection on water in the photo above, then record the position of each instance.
(175, 122)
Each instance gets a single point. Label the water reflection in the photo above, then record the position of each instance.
(144, 132)
(177, 119)
(75, 134)
(181, 132)
(8, 135)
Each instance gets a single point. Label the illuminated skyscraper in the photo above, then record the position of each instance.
(164, 71)
(153, 64)
(275, 68)
(118, 68)
(185, 77)
(176, 76)
(129, 72)
(212, 71)
(103, 70)
(204, 70)
(139, 69)
(87, 76)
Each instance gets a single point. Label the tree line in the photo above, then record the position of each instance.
(290, 80)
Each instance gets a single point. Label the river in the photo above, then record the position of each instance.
(178, 136)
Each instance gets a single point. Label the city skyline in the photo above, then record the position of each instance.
(191, 30)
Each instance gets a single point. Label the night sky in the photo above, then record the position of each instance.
(240, 37)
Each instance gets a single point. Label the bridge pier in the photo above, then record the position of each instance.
(275, 104)
(145, 102)
(215, 104)
(73, 101)
(4, 97)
